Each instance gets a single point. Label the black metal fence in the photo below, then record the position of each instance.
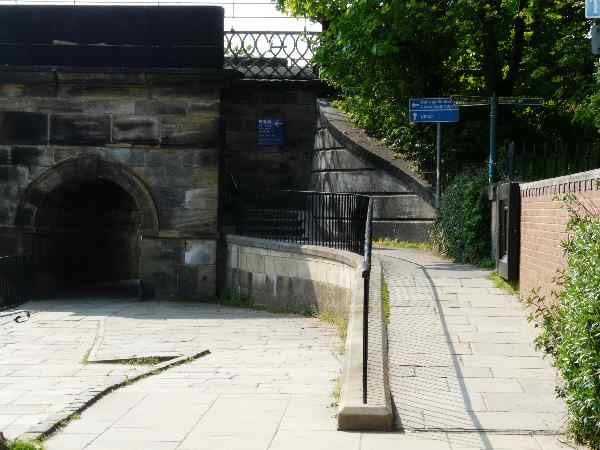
(303, 217)
(531, 161)
(15, 279)
(271, 54)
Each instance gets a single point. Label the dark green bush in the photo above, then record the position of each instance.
(570, 325)
(462, 228)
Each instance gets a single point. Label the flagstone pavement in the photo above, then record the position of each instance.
(464, 373)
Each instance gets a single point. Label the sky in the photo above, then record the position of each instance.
(241, 15)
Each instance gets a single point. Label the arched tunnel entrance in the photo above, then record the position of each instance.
(91, 234)
(86, 217)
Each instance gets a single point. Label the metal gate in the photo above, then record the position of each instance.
(508, 230)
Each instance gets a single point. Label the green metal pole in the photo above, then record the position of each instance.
(492, 159)
(438, 163)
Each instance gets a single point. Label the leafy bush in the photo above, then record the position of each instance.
(462, 228)
(570, 325)
(24, 445)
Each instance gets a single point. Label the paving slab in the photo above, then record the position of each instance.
(462, 356)
(268, 378)
(462, 370)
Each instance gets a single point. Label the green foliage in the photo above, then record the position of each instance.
(385, 298)
(339, 321)
(570, 324)
(589, 111)
(396, 243)
(24, 445)
(378, 54)
(238, 301)
(501, 283)
(462, 228)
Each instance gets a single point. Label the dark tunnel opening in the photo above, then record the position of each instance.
(90, 235)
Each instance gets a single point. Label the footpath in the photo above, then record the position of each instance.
(464, 373)
(464, 370)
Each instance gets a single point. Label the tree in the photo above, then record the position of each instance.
(379, 53)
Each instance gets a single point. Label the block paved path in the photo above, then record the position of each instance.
(463, 365)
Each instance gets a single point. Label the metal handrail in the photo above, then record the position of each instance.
(280, 55)
(366, 274)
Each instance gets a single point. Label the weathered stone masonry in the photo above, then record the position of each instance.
(154, 135)
(256, 167)
(347, 160)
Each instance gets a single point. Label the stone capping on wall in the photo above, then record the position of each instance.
(353, 414)
(578, 182)
(367, 148)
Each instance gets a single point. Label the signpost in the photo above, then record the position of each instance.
(493, 103)
(438, 111)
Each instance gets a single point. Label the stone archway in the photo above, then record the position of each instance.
(82, 168)
(87, 215)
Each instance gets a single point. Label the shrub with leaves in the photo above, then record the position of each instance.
(462, 228)
(570, 324)
(24, 445)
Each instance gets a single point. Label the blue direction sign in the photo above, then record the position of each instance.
(433, 110)
(270, 131)
(592, 9)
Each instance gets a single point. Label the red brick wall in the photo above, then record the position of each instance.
(543, 226)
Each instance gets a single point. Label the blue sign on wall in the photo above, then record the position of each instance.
(270, 131)
(592, 9)
(427, 110)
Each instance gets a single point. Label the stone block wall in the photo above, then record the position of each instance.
(346, 160)
(258, 167)
(543, 227)
(292, 277)
(158, 130)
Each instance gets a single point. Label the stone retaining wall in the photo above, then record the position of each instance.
(306, 278)
(345, 159)
(291, 277)
(270, 167)
(155, 134)
(543, 226)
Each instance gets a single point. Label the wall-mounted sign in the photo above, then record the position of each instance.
(270, 131)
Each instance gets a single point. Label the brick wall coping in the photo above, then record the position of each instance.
(577, 182)
(369, 149)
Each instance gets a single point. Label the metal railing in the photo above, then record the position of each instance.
(303, 217)
(278, 55)
(548, 158)
(15, 279)
(366, 274)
